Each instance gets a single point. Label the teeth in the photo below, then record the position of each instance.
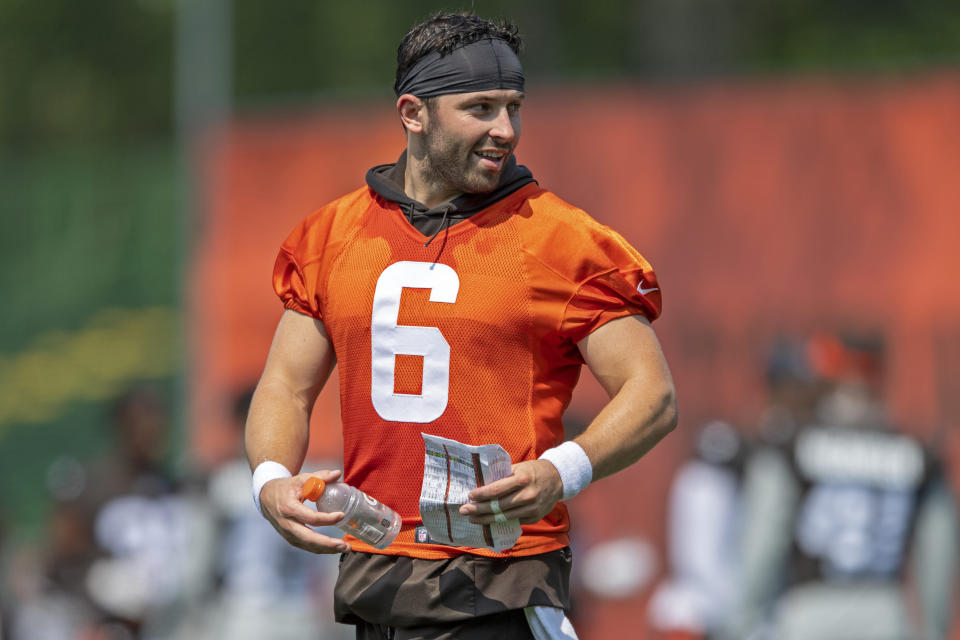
(494, 156)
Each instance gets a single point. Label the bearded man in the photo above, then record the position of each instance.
(459, 299)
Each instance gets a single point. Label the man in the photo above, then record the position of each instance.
(849, 525)
(460, 300)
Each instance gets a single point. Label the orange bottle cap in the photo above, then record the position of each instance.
(313, 488)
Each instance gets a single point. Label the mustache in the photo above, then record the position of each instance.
(492, 144)
(506, 148)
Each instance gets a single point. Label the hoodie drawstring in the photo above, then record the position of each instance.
(443, 223)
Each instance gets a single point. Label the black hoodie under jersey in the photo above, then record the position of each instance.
(387, 181)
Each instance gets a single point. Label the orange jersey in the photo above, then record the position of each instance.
(473, 337)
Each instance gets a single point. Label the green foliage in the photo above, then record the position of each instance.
(79, 71)
(90, 240)
(84, 228)
(103, 70)
(850, 35)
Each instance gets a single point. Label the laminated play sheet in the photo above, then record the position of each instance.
(451, 470)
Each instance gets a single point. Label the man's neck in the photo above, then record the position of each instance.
(419, 185)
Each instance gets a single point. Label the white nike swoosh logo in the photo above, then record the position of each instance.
(646, 291)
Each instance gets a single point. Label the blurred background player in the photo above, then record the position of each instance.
(127, 547)
(152, 530)
(703, 533)
(849, 527)
(264, 586)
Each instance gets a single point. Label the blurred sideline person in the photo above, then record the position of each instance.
(152, 531)
(459, 299)
(705, 509)
(127, 545)
(266, 587)
(795, 385)
(44, 591)
(703, 530)
(850, 529)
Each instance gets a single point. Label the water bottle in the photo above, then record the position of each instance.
(363, 517)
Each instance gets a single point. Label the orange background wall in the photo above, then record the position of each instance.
(765, 207)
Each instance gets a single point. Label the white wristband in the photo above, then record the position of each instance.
(264, 473)
(574, 467)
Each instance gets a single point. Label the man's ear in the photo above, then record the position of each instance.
(412, 112)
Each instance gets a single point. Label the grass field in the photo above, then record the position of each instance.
(90, 244)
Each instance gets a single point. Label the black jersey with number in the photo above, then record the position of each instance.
(860, 493)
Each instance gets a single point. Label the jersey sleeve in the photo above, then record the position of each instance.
(619, 282)
(295, 275)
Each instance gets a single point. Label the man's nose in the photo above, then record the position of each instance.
(503, 128)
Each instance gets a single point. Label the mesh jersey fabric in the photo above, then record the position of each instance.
(532, 275)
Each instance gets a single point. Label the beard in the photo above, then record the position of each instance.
(452, 163)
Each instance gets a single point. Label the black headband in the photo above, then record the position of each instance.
(478, 66)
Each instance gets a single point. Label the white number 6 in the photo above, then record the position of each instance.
(388, 339)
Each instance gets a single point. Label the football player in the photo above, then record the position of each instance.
(458, 298)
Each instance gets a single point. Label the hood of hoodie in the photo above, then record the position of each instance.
(387, 181)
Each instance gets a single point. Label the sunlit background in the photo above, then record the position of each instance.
(789, 168)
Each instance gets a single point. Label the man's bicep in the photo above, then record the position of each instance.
(623, 349)
(301, 356)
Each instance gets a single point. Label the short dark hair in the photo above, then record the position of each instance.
(444, 32)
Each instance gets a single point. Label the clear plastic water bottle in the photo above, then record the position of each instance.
(363, 517)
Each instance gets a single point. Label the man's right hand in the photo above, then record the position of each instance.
(282, 505)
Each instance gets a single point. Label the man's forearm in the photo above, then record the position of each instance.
(277, 426)
(636, 418)
(300, 360)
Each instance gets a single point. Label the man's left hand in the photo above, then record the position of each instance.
(528, 494)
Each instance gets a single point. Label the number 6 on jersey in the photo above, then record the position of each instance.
(389, 339)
